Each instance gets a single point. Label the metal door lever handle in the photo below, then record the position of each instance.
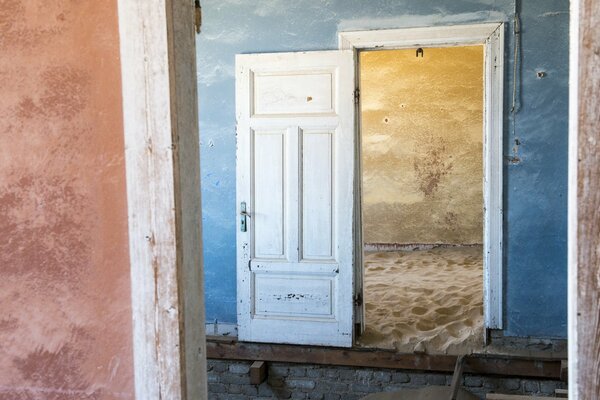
(243, 214)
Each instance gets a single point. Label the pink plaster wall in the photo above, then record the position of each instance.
(65, 317)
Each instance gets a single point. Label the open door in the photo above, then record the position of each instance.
(295, 197)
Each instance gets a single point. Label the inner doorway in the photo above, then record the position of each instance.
(422, 157)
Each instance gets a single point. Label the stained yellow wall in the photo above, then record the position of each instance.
(422, 145)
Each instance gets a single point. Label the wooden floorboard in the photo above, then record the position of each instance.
(374, 358)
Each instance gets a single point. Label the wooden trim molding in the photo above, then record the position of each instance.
(491, 36)
(163, 180)
(584, 224)
(437, 36)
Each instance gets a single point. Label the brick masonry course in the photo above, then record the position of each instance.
(230, 380)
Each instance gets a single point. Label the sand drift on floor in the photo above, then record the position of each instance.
(425, 300)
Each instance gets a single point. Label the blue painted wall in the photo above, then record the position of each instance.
(535, 171)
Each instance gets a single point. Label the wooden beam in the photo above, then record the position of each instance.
(158, 61)
(372, 358)
(564, 370)
(497, 396)
(457, 377)
(258, 372)
(586, 221)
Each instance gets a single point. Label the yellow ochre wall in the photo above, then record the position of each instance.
(422, 145)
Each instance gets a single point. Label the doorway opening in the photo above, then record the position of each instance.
(422, 196)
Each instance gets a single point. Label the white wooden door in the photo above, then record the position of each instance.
(295, 174)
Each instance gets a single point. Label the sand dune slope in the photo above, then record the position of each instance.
(425, 300)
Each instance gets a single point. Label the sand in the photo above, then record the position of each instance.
(425, 300)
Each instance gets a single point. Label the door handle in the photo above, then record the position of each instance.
(244, 215)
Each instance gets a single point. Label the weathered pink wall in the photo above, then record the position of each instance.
(65, 317)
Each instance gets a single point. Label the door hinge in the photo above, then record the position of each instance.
(356, 96)
(197, 16)
(358, 300)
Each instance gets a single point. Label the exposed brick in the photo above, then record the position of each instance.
(336, 387)
(239, 368)
(436, 379)
(282, 393)
(298, 396)
(235, 379)
(228, 381)
(361, 388)
(364, 376)
(235, 389)
(250, 390)
(233, 397)
(220, 366)
(265, 390)
(418, 379)
(217, 388)
(548, 387)
(278, 370)
(315, 396)
(382, 376)
(511, 384)
(331, 373)
(473, 381)
(491, 384)
(394, 388)
(275, 381)
(297, 371)
(531, 386)
(347, 374)
(400, 377)
(304, 384)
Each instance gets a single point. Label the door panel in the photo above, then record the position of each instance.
(317, 201)
(268, 194)
(295, 174)
(314, 297)
(299, 93)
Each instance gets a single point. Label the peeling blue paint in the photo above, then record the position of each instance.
(535, 186)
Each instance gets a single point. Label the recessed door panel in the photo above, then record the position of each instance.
(293, 93)
(269, 187)
(317, 195)
(308, 297)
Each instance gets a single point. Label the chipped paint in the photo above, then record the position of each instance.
(65, 330)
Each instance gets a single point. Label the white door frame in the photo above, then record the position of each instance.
(160, 115)
(491, 36)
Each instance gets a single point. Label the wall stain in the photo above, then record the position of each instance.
(431, 163)
(42, 230)
(8, 324)
(60, 369)
(17, 31)
(64, 95)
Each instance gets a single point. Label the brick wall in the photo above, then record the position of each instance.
(230, 380)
